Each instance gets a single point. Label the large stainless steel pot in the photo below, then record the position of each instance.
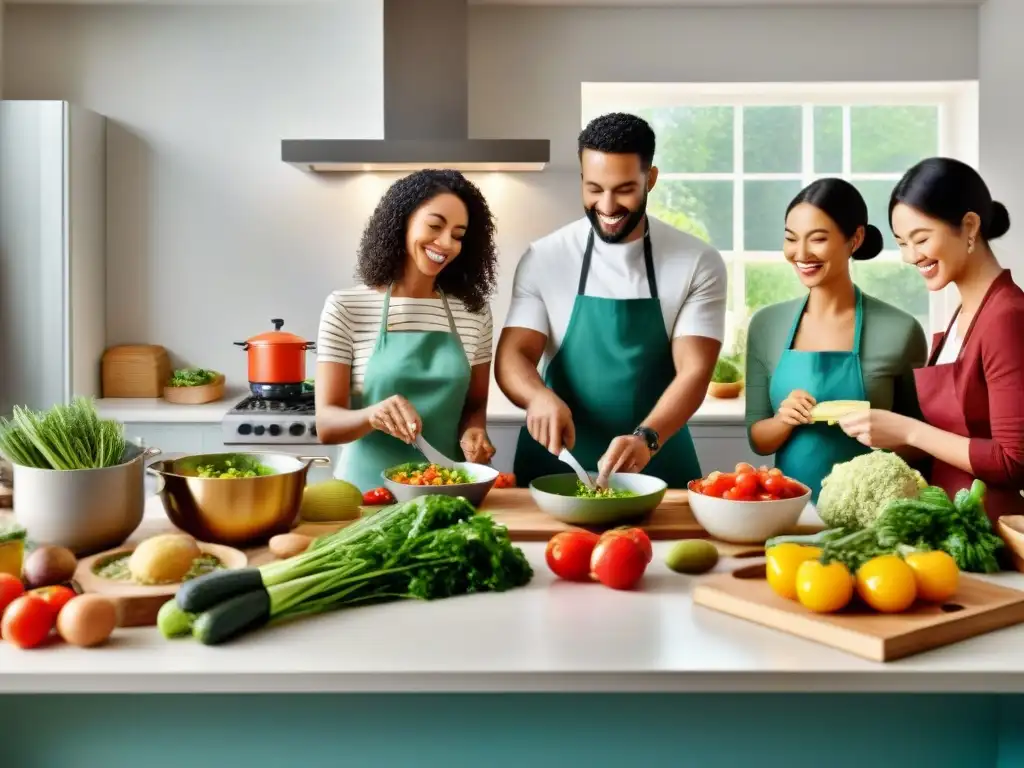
(240, 511)
(85, 510)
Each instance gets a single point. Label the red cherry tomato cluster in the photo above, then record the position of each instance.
(505, 480)
(378, 496)
(748, 484)
(616, 559)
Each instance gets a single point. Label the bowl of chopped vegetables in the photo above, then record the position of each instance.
(238, 499)
(627, 497)
(421, 478)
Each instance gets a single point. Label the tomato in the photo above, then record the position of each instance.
(775, 485)
(781, 564)
(10, 588)
(744, 468)
(378, 496)
(823, 588)
(618, 562)
(505, 480)
(718, 483)
(568, 554)
(638, 536)
(887, 584)
(27, 621)
(936, 574)
(55, 597)
(746, 484)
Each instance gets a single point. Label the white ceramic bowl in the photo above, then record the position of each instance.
(483, 476)
(746, 522)
(555, 495)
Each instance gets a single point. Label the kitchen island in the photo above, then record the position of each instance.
(649, 665)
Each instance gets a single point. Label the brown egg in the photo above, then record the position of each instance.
(87, 620)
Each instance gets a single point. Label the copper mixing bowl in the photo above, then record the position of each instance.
(237, 511)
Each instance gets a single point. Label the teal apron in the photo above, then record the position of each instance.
(429, 369)
(812, 449)
(614, 363)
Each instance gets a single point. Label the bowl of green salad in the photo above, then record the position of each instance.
(627, 497)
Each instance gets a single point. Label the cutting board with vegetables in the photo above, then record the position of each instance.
(977, 607)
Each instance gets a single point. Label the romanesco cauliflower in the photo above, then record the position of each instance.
(857, 491)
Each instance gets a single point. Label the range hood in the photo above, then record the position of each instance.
(426, 110)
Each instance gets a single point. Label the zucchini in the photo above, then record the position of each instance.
(232, 617)
(206, 591)
(172, 621)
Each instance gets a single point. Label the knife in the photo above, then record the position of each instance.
(433, 455)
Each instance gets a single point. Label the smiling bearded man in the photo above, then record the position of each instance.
(629, 314)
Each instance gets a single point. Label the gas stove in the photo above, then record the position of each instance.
(260, 421)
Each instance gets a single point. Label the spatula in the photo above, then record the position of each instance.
(433, 455)
(569, 459)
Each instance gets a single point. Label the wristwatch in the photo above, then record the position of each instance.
(649, 436)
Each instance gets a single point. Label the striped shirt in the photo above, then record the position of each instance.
(350, 324)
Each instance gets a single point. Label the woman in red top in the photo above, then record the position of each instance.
(972, 390)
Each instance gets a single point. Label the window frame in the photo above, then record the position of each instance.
(957, 103)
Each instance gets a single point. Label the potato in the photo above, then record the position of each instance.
(289, 544)
(47, 566)
(163, 559)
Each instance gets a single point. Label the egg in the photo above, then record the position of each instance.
(87, 620)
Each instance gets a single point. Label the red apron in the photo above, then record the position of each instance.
(943, 407)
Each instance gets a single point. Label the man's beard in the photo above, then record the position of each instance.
(633, 219)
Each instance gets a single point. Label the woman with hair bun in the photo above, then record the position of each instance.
(972, 389)
(835, 343)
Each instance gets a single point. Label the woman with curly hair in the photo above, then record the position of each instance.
(408, 351)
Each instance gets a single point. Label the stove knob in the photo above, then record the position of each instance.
(244, 429)
(259, 430)
(296, 429)
(275, 429)
(312, 430)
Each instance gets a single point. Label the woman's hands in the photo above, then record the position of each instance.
(878, 429)
(477, 446)
(396, 417)
(795, 410)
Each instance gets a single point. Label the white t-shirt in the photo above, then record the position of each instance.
(350, 324)
(951, 345)
(690, 274)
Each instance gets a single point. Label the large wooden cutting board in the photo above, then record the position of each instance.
(978, 607)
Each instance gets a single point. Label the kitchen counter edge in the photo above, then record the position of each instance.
(144, 410)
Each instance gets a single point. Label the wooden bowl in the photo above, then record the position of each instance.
(204, 393)
(725, 391)
(1011, 530)
(137, 605)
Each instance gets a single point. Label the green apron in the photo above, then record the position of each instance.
(429, 369)
(812, 449)
(614, 363)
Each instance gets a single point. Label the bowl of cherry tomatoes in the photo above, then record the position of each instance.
(747, 505)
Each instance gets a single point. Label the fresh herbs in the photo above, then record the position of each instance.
(63, 437)
(192, 377)
(929, 522)
(427, 549)
(726, 372)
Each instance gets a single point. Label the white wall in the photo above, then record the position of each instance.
(209, 234)
(1001, 106)
(526, 66)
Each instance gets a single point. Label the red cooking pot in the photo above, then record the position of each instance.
(277, 357)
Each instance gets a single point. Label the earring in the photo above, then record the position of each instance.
(970, 245)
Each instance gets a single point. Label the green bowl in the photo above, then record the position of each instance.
(556, 495)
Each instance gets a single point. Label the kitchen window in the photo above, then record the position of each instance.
(732, 156)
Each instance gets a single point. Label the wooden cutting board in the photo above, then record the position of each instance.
(978, 607)
(138, 605)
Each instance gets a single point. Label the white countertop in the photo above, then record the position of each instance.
(144, 410)
(548, 636)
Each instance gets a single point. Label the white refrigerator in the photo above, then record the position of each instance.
(52, 252)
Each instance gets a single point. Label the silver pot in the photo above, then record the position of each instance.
(85, 510)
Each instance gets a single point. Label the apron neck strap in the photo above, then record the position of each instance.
(652, 281)
(387, 305)
(858, 320)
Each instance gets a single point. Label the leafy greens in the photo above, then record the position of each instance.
(71, 436)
